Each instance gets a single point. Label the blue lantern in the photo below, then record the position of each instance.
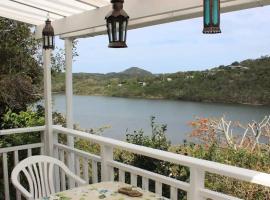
(211, 17)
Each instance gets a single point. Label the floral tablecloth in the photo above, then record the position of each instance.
(103, 190)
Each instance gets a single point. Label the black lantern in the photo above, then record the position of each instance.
(211, 16)
(117, 22)
(48, 36)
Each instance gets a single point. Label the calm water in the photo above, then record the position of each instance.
(134, 114)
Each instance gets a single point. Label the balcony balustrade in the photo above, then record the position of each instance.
(103, 167)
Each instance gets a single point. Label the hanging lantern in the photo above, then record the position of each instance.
(48, 36)
(211, 17)
(117, 22)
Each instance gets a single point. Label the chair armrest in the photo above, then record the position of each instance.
(22, 190)
(77, 178)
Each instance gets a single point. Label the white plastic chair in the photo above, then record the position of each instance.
(39, 172)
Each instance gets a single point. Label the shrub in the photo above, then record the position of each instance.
(258, 160)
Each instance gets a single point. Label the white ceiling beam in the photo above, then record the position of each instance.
(95, 3)
(142, 13)
(74, 4)
(21, 17)
(41, 15)
(49, 7)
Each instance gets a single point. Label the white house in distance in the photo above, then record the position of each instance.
(143, 84)
(169, 79)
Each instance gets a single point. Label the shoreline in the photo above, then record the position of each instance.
(162, 98)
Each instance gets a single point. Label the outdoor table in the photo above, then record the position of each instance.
(103, 190)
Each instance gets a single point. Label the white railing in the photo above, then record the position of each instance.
(11, 156)
(84, 162)
(95, 168)
(194, 188)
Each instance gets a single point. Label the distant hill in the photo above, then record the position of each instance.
(130, 72)
(246, 82)
(135, 71)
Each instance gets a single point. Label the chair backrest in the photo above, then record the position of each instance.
(39, 172)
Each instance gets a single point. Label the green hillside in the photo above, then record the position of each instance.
(242, 82)
(135, 71)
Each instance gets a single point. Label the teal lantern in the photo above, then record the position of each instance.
(211, 17)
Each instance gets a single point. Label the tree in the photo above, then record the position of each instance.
(235, 63)
(20, 68)
(20, 85)
(58, 58)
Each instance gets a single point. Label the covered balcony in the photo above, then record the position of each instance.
(74, 19)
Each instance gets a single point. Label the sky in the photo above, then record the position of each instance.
(180, 46)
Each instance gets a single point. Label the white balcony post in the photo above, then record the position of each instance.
(106, 170)
(197, 178)
(69, 87)
(56, 170)
(69, 103)
(48, 138)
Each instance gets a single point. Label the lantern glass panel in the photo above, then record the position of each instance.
(215, 12)
(117, 32)
(126, 30)
(110, 31)
(50, 41)
(207, 11)
(46, 41)
(124, 26)
(53, 42)
(121, 32)
(113, 31)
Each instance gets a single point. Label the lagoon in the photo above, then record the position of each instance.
(126, 115)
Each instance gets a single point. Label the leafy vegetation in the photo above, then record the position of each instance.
(209, 149)
(20, 71)
(245, 82)
(31, 117)
(157, 140)
(21, 86)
